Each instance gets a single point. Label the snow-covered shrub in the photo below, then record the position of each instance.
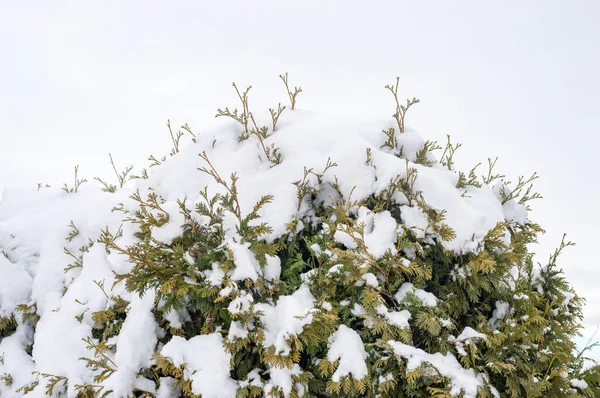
(302, 255)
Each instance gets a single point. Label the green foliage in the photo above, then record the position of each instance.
(77, 259)
(122, 177)
(292, 94)
(527, 313)
(530, 351)
(107, 323)
(53, 383)
(249, 126)
(8, 325)
(77, 182)
(401, 109)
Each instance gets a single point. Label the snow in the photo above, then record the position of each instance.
(334, 269)
(287, 318)
(241, 304)
(415, 220)
(316, 249)
(15, 360)
(346, 346)
(177, 318)
(272, 270)
(246, 265)
(426, 298)
(15, 286)
(568, 297)
(500, 312)
(135, 345)
(345, 239)
(282, 378)
(214, 275)
(370, 280)
(380, 231)
(399, 318)
(461, 379)
(173, 228)
(237, 331)
(166, 389)
(469, 333)
(207, 364)
(579, 384)
(470, 216)
(515, 212)
(358, 310)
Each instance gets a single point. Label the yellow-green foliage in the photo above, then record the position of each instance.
(529, 353)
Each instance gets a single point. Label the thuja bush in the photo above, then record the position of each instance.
(399, 309)
(354, 292)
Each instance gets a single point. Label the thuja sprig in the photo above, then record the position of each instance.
(53, 380)
(435, 221)
(153, 162)
(448, 154)
(246, 119)
(275, 114)
(589, 345)
(27, 388)
(28, 311)
(148, 214)
(401, 109)
(108, 323)
(407, 184)
(152, 202)
(369, 158)
(7, 325)
(242, 117)
(101, 360)
(76, 183)
(7, 379)
(517, 191)
(230, 202)
(292, 94)
(388, 193)
(91, 391)
(100, 284)
(422, 154)
(77, 259)
(74, 231)
(472, 179)
(303, 186)
(156, 162)
(121, 177)
(391, 141)
(231, 188)
(551, 269)
(175, 138)
(490, 177)
(262, 134)
(399, 183)
(108, 239)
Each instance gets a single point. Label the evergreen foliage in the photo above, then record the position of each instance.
(424, 315)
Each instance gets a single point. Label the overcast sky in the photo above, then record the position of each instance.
(514, 79)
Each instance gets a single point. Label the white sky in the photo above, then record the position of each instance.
(512, 79)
